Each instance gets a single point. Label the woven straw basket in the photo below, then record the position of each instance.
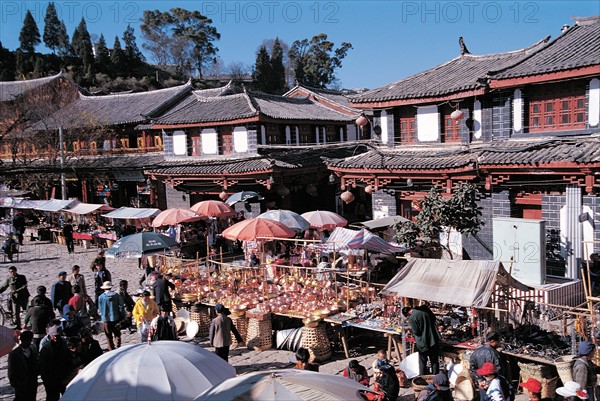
(564, 365)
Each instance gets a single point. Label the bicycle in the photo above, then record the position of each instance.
(6, 313)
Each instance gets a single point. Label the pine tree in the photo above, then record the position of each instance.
(51, 28)
(133, 55)
(262, 71)
(102, 56)
(39, 68)
(7, 64)
(277, 68)
(82, 44)
(29, 37)
(118, 58)
(64, 47)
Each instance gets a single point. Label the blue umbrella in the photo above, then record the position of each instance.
(287, 217)
(137, 245)
(242, 197)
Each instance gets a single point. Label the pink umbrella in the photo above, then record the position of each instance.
(171, 217)
(213, 208)
(251, 229)
(324, 220)
(8, 339)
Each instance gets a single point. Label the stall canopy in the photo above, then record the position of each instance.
(29, 204)
(363, 239)
(468, 283)
(86, 208)
(382, 222)
(132, 213)
(56, 205)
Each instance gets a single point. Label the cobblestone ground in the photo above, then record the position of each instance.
(41, 263)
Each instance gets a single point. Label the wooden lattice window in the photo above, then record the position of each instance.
(196, 146)
(408, 125)
(305, 134)
(450, 127)
(557, 108)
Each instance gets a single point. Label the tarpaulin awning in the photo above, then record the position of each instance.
(132, 213)
(382, 222)
(135, 176)
(86, 208)
(55, 205)
(363, 239)
(29, 204)
(468, 283)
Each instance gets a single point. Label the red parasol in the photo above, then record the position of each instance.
(252, 229)
(324, 220)
(213, 208)
(171, 217)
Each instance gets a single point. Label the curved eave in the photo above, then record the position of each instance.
(545, 77)
(566, 165)
(382, 170)
(243, 120)
(208, 176)
(421, 100)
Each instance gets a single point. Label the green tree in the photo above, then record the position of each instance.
(460, 212)
(277, 68)
(262, 71)
(7, 64)
(118, 58)
(181, 37)
(103, 61)
(51, 28)
(64, 46)
(133, 55)
(315, 61)
(82, 45)
(29, 37)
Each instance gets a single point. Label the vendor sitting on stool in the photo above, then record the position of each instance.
(9, 247)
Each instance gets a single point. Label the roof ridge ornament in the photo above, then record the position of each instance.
(463, 46)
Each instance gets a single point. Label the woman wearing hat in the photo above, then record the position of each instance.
(387, 381)
(144, 311)
(584, 370)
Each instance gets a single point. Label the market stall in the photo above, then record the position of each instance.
(128, 221)
(85, 216)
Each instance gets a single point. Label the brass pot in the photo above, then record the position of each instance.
(312, 321)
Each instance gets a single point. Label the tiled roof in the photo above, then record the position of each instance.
(96, 164)
(116, 109)
(283, 108)
(198, 109)
(417, 158)
(9, 90)
(526, 152)
(206, 109)
(265, 162)
(335, 97)
(578, 46)
(463, 73)
(573, 150)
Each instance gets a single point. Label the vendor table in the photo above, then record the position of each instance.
(83, 236)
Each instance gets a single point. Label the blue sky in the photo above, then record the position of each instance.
(391, 39)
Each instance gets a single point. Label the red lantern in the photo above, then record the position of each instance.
(369, 189)
(457, 115)
(223, 195)
(347, 196)
(362, 121)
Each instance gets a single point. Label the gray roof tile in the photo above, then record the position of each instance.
(578, 46)
(463, 73)
(10, 90)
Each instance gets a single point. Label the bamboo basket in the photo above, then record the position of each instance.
(241, 324)
(316, 341)
(538, 372)
(260, 334)
(420, 382)
(564, 366)
(549, 387)
(202, 317)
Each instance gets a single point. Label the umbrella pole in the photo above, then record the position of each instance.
(262, 261)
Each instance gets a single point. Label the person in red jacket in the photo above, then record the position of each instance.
(356, 372)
